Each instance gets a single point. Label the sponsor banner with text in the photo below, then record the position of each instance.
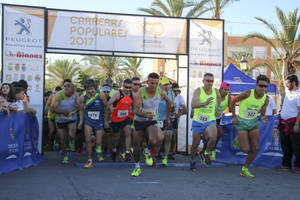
(23, 52)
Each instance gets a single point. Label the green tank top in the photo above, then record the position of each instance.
(224, 104)
(207, 113)
(250, 107)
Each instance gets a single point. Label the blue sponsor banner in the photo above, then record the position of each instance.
(18, 145)
(269, 152)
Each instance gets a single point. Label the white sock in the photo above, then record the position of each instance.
(137, 165)
(114, 150)
(90, 160)
(147, 150)
(127, 151)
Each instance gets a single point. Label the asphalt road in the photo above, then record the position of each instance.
(52, 181)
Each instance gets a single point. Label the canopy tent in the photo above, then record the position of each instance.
(240, 82)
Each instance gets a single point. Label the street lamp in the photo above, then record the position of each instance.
(244, 64)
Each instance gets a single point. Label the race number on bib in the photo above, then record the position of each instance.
(94, 115)
(122, 113)
(203, 119)
(160, 124)
(250, 114)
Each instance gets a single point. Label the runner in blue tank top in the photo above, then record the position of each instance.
(95, 113)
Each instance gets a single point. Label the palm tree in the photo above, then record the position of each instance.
(133, 66)
(62, 69)
(217, 7)
(106, 65)
(176, 8)
(251, 65)
(276, 68)
(285, 38)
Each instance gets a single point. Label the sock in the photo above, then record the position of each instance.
(127, 152)
(90, 160)
(137, 165)
(147, 150)
(99, 147)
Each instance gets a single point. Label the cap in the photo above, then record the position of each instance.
(225, 85)
(105, 88)
(164, 81)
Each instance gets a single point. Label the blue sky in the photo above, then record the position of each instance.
(239, 16)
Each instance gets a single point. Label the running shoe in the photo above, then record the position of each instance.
(246, 173)
(213, 155)
(89, 164)
(164, 162)
(114, 156)
(136, 172)
(65, 160)
(72, 145)
(122, 156)
(207, 158)
(127, 157)
(193, 166)
(296, 170)
(236, 142)
(171, 156)
(148, 159)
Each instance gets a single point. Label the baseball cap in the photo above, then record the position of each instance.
(164, 81)
(105, 88)
(225, 85)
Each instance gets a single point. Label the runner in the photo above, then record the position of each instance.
(180, 109)
(51, 119)
(247, 123)
(164, 118)
(147, 101)
(204, 103)
(225, 103)
(94, 119)
(136, 84)
(121, 118)
(66, 105)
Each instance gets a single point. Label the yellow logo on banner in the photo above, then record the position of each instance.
(155, 29)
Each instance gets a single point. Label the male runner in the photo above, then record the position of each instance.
(121, 117)
(164, 118)
(94, 119)
(204, 103)
(247, 123)
(146, 105)
(66, 105)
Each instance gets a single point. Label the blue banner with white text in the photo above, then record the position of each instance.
(269, 150)
(18, 145)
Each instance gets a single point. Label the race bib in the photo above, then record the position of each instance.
(250, 114)
(122, 113)
(203, 119)
(94, 115)
(149, 112)
(160, 124)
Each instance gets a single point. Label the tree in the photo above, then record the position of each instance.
(217, 7)
(107, 65)
(176, 8)
(276, 68)
(133, 66)
(61, 70)
(285, 38)
(236, 60)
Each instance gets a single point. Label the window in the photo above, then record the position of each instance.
(235, 48)
(260, 52)
(258, 71)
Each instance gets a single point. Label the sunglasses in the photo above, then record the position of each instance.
(137, 84)
(106, 91)
(209, 81)
(127, 87)
(176, 90)
(262, 86)
(67, 85)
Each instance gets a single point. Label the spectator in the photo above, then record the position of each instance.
(24, 85)
(8, 93)
(18, 104)
(271, 108)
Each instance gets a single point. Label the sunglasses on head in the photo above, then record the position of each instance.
(127, 87)
(209, 81)
(262, 85)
